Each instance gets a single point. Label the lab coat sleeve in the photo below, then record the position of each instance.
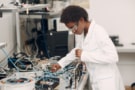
(71, 56)
(67, 59)
(105, 52)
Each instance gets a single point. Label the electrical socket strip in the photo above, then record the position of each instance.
(2, 45)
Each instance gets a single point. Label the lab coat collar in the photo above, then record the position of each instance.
(90, 31)
(91, 27)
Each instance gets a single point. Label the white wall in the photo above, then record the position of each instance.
(7, 33)
(118, 17)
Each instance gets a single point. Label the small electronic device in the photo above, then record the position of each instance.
(21, 83)
(2, 45)
(0, 10)
(48, 83)
(2, 73)
(20, 62)
(30, 1)
(0, 13)
(115, 40)
(17, 81)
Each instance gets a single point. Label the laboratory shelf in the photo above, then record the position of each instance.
(127, 48)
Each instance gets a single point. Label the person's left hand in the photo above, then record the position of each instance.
(78, 53)
(55, 67)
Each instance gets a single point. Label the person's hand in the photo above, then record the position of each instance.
(55, 67)
(78, 53)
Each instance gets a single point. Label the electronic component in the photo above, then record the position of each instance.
(73, 73)
(1, 14)
(2, 45)
(21, 83)
(47, 83)
(17, 81)
(115, 40)
(21, 62)
(2, 73)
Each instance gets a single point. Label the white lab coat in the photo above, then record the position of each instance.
(100, 56)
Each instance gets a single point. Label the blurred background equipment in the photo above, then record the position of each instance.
(17, 84)
(115, 40)
(3, 73)
(30, 1)
(57, 43)
(20, 62)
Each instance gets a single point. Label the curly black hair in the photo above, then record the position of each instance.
(133, 85)
(73, 13)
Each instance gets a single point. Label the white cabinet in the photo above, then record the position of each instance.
(126, 63)
(7, 34)
(126, 49)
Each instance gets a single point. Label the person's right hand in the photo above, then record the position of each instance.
(55, 67)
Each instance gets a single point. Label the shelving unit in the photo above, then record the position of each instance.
(126, 49)
(17, 10)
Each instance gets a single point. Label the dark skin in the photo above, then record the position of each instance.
(82, 26)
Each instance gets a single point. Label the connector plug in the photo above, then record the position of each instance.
(2, 45)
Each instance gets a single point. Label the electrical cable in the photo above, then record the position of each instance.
(10, 59)
(45, 46)
(31, 49)
(12, 50)
(14, 63)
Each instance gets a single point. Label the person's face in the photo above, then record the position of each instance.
(76, 27)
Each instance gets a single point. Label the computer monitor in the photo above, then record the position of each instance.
(57, 43)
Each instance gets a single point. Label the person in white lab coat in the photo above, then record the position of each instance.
(94, 47)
